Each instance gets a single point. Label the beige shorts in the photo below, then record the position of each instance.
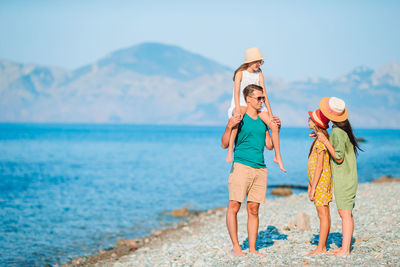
(247, 181)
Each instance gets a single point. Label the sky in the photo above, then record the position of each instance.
(298, 38)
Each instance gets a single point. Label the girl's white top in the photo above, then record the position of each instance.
(247, 78)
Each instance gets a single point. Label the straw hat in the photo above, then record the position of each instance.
(319, 119)
(334, 109)
(252, 54)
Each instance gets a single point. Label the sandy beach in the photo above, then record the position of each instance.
(204, 240)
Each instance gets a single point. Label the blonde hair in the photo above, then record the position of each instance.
(242, 67)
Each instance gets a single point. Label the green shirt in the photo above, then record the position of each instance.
(344, 174)
(250, 142)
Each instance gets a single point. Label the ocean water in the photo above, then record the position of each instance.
(69, 190)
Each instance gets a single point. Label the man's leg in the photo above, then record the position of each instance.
(252, 225)
(231, 223)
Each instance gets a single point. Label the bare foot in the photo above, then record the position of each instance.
(317, 251)
(256, 252)
(333, 251)
(342, 253)
(237, 251)
(280, 163)
(229, 157)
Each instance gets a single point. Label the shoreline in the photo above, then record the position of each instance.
(124, 247)
(135, 251)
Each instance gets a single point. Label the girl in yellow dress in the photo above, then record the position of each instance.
(320, 179)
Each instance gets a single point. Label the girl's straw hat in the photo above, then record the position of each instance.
(319, 119)
(252, 54)
(334, 109)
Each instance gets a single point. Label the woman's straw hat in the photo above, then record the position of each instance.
(334, 109)
(319, 119)
(252, 54)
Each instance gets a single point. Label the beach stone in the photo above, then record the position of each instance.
(281, 191)
(208, 244)
(122, 242)
(291, 225)
(303, 222)
(199, 263)
(77, 261)
(131, 242)
(386, 178)
(184, 212)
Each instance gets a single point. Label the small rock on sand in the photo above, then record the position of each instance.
(303, 222)
(386, 178)
(122, 242)
(184, 212)
(281, 191)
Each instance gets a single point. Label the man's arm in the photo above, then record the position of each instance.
(233, 121)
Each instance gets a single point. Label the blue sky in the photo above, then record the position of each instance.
(298, 38)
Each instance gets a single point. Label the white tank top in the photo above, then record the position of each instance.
(247, 78)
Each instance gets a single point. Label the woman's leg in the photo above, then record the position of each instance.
(347, 232)
(324, 227)
(267, 119)
(229, 155)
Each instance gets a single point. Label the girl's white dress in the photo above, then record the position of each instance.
(247, 78)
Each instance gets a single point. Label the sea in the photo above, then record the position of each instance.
(68, 190)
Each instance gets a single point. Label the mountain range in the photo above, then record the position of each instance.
(154, 83)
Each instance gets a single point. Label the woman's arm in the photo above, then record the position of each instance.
(238, 79)
(321, 137)
(317, 173)
(262, 84)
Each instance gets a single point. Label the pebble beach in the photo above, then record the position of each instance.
(204, 240)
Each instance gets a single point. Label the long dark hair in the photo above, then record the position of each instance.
(346, 126)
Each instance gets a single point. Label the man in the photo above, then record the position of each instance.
(248, 176)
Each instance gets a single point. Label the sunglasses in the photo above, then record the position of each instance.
(259, 98)
(260, 62)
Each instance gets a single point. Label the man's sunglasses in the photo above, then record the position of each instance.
(259, 98)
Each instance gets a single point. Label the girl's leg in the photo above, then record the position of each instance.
(267, 119)
(229, 155)
(324, 227)
(347, 232)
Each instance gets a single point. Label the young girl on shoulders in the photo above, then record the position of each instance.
(250, 73)
(319, 177)
(342, 147)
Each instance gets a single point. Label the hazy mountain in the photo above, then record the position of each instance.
(162, 84)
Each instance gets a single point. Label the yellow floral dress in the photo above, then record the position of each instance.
(323, 191)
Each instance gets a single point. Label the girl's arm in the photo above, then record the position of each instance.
(238, 79)
(317, 173)
(321, 137)
(268, 141)
(262, 84)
